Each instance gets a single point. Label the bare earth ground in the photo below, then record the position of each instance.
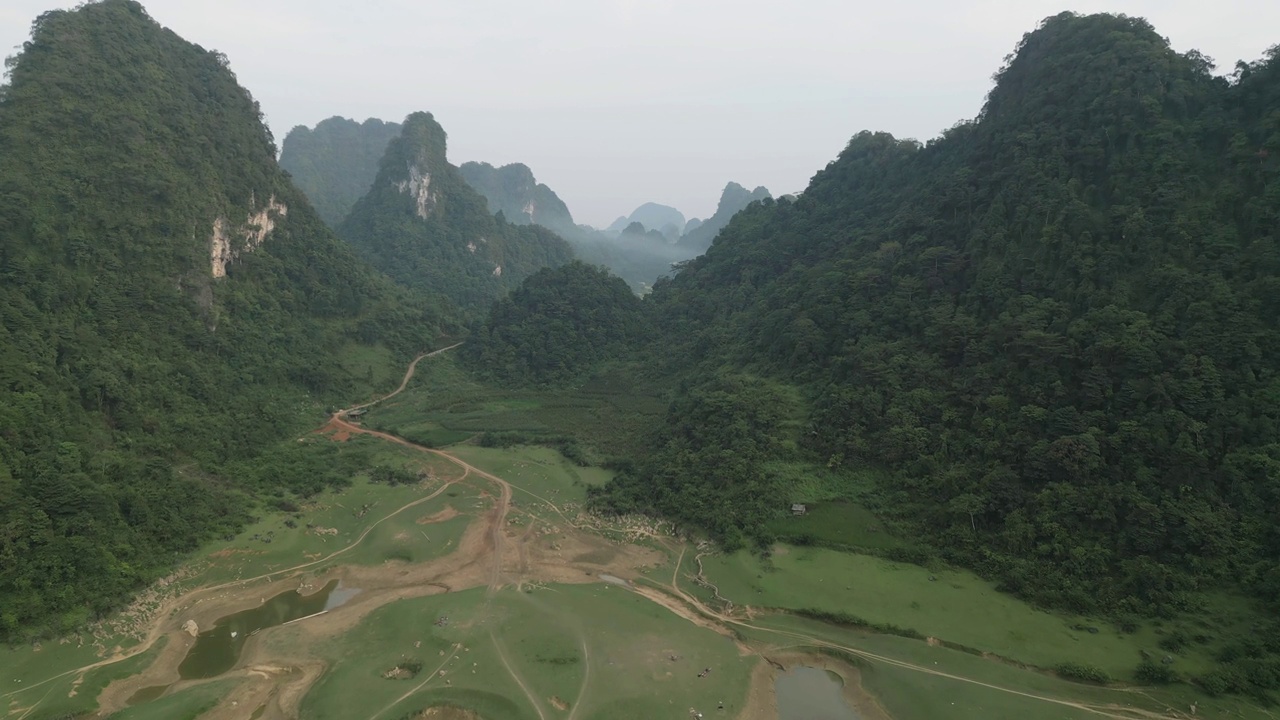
(491, 553)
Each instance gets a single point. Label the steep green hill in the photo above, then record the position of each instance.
(424, 226)
(734, 198)
(335, 163)
(167, 297)
(558, 324)
(1052, 330)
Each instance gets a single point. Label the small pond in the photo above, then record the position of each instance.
(806, 693)
(218, 649)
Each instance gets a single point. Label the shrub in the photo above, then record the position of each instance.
(1082, 673)
(1156, 674)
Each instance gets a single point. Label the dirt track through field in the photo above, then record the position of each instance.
(455, 572)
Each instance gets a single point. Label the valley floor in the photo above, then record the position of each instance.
(484, 591)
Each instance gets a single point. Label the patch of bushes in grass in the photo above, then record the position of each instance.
(1155, 673)
(1082, 673)
(393, 476)
(847, 620)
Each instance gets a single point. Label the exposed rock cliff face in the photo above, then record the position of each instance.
(228, 244)
(418, 187)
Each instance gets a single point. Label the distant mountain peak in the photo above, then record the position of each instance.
(514, 191)
(336, 163)
(424, 225)
(733, 199)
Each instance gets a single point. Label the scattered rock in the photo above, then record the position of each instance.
(189, 627)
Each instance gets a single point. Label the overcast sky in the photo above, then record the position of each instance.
(618, 102)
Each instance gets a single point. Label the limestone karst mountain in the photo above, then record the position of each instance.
(335, 162)
(423, 225)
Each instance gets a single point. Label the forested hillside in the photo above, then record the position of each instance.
(732, 201)
(335, 163)
(1052, 330)
(167, 297)
(558, 324)
(513, 191)
(427, 229)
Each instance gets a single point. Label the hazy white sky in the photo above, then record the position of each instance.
(617, 102)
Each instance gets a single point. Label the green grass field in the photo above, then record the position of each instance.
(350, 512)
(955, 606)
(55, 698)
(609, 412)
(373, 368)
(187, 704)
(599, 646)
(897, 672)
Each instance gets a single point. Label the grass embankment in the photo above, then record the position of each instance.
(955, 606)
(597, 646)
(187, 704)
(915, 680)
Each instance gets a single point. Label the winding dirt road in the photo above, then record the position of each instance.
(672, 597)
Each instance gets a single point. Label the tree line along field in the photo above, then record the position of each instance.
(608, 413)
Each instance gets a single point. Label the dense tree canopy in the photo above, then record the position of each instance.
(122, 149)
(1056, 326)
(558, 324)
(733, 200)
(709, 466)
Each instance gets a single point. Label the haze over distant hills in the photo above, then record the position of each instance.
(335, 163)
(653, 216)
(513, 191)
(426, 228)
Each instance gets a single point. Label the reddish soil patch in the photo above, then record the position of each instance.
(335, 430)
